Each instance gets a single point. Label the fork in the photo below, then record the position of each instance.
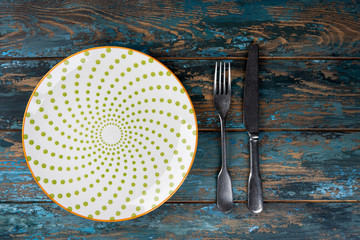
(222, 100)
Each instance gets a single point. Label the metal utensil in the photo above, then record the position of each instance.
(222, 100)
(251, 122)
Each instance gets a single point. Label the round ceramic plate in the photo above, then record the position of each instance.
(109, 134)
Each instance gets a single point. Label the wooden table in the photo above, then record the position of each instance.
(309, 101)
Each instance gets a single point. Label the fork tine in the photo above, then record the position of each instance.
(215, 79)
(229, 80)
(220, 78)
(224, 79)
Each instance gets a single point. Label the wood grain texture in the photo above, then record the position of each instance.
(318, 89)
(180, 28)
(294, 166)
(293, 94)
(187, 221)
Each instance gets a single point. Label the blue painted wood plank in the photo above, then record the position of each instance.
(181, 28)
(294, 166)
(187, 221)
(293, 94)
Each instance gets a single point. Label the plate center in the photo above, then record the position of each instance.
(111, 134)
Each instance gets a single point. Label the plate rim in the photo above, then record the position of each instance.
(123, 219)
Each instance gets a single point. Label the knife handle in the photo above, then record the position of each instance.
(255, 195)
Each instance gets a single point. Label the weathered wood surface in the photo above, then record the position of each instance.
(294, 166)
(187, 221)
(181, 28)
(293, 94)
(308, 92)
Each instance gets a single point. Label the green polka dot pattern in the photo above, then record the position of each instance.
(109, 134)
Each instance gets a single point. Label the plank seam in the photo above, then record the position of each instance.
(261, 130)
(284, 129)
(194, 58)
(211, 201)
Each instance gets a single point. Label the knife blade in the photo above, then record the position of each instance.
(251, 91)
(251, 123)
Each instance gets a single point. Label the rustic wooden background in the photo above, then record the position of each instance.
(309, 101)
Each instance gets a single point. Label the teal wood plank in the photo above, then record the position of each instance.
(294, 166)
(297, 94)
(180, 28)
(187, 221)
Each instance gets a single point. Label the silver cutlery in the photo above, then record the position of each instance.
(222, 101)
(251, 122)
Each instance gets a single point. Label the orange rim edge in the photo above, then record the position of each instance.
(124, 219)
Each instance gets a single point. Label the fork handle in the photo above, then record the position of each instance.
(255, 194)
(224, 195)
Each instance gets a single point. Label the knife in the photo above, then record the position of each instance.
(251, 122)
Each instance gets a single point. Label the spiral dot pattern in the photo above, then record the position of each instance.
(109, 134)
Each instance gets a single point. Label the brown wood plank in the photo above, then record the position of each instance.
(297, 94)
(188, 221)
(295, 166)
(180, 29)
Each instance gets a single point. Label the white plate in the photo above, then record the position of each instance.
(109, 134)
